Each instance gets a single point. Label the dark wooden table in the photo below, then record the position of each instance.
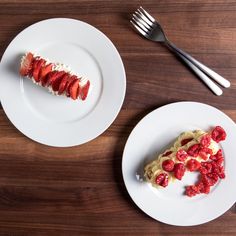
(80, 190)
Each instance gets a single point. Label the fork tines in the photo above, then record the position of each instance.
(142, 21)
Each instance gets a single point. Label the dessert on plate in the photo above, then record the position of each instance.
(192, 151)
(56, 77)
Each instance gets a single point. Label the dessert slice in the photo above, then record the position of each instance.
(58, 78)
(192, 151)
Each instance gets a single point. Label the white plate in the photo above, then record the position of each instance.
(152, 135)
(59, 121)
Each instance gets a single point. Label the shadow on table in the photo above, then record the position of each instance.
(118, 152)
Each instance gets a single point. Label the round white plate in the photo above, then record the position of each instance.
(153, 134)
(57, 120)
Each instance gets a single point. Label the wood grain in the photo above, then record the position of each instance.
(80, 190)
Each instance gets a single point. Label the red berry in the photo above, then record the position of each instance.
(63, 83)
(162, 179)
(53, 76)
(26, 64)
(193, 165)
(206, 167)
(209, 179)
(200, 187)
(167, 153)
(181, 155)
(83, 92)
(56, 83)
(185, 141)
(218, 134)
(194, 150)
(217, 156)
(44, 71)
(179, 170)
(71, 81)
(74, 90)
(37, 67)
(205, 140)
(191, 191)
(168, 165)
(204, 151)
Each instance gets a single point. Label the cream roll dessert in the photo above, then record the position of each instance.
(56, 77)
(192, 151)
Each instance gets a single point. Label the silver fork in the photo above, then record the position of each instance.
(147, 26)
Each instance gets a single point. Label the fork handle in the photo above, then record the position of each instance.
(214, 87)
(218, 78)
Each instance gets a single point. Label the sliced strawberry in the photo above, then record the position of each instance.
(167, 153)
(185, 141)
(37, 67)
(71, 80)
(74, 88)
(56, 83)
(44, 71)
(48, 77)
(26, 64)
(54, 76)
(63, 83)
(84, 90)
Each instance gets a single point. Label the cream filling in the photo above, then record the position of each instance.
(154, 168)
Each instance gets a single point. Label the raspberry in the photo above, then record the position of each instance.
(190, 191)
(193, 165)
(185, 141)
(181, 155)
(209, 179)
(217, 156)
(194, 150)
(167, 153)
(220, 161)
(200, 187)
(179, 170)
(218, 134)
(206, 167)
(219, 170)
(168, 165)
(203, 153)
(206, 189)
(213, 178)
(205, 140)
(162, 179)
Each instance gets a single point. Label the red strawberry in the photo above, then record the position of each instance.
(71, 80)
(84, 90)
(74, 90)
(54, 76)
(56, 83)
(37, 67)
(26, 64)
(44, 72)
(167, 153)
(185, 141)
(63, 83)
